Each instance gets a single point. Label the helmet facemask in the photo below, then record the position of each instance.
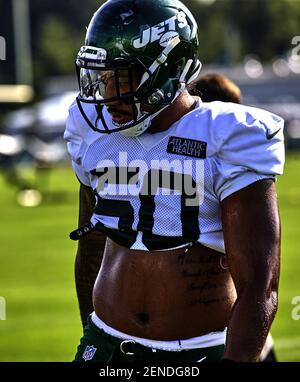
(108, 83)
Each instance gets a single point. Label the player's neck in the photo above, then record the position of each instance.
(181, 106)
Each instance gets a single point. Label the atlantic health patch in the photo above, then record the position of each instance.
(187, 147)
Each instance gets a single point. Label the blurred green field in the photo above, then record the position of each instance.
(36, 271)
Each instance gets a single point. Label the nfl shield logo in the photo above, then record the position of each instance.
(89, 353)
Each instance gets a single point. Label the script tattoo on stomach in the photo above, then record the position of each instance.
(198, 270)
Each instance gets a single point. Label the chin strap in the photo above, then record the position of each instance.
(141, 127)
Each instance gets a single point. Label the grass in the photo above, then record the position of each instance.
(285, 330)
(36, 273)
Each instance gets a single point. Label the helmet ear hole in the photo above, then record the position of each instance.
(156, 97)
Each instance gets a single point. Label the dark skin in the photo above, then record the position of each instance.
(89, 255)
(204, 295)
(154, 294)
(251, 228)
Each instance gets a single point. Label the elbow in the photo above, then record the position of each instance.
(261, 294)
(261, 280)
(271, 297)
(274, 303)
(263, 286)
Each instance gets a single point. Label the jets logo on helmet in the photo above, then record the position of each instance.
(156, 32)
(151, 46)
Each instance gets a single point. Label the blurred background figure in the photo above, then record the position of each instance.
(217, 87)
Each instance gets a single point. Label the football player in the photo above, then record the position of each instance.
(181, 192)
(213, 87)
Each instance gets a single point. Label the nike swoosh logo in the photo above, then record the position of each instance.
(270, 136)
(202, 359)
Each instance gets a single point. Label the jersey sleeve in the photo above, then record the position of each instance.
(251, 148)
(74, 135)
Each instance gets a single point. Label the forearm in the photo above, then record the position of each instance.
(88, 261)
(250, 322)
(89, 255)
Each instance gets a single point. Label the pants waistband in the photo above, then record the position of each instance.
(208, 340)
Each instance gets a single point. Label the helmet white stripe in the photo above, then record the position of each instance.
(196, 74)
(185, 70)
(160, 59)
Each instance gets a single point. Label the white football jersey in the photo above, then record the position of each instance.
(163, 190)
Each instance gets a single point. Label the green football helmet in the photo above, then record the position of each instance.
(155, 40)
